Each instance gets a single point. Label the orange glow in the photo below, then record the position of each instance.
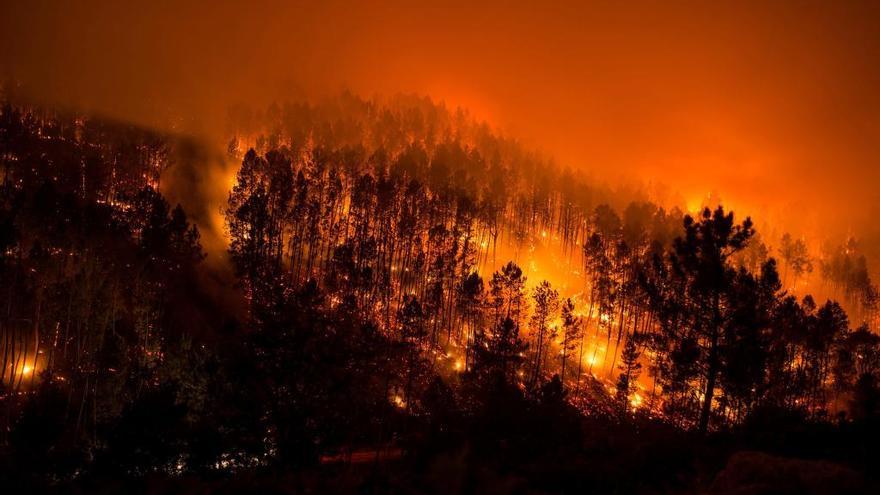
(688, 98)
(687, 106)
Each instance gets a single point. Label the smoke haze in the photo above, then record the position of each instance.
(774, 106)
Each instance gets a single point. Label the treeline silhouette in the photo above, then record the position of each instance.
(386, 323)
(399, 231)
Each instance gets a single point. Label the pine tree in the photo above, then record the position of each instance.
(630, 369)
(572, 331)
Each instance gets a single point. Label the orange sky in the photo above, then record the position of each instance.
(775, 105)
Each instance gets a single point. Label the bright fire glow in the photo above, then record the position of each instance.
(636, 400)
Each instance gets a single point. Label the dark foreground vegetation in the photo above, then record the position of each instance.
(382, 342)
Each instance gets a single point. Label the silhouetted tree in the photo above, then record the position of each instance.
(630, 369)
(572, 332)
(546, 307)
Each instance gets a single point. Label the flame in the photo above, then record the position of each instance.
(636, 401)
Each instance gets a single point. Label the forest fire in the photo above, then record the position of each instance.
(510, 270)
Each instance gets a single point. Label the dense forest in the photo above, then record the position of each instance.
(425, 307)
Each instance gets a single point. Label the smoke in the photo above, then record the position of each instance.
(774, 106)
(199, 179)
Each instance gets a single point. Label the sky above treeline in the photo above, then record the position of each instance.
(774, 105)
